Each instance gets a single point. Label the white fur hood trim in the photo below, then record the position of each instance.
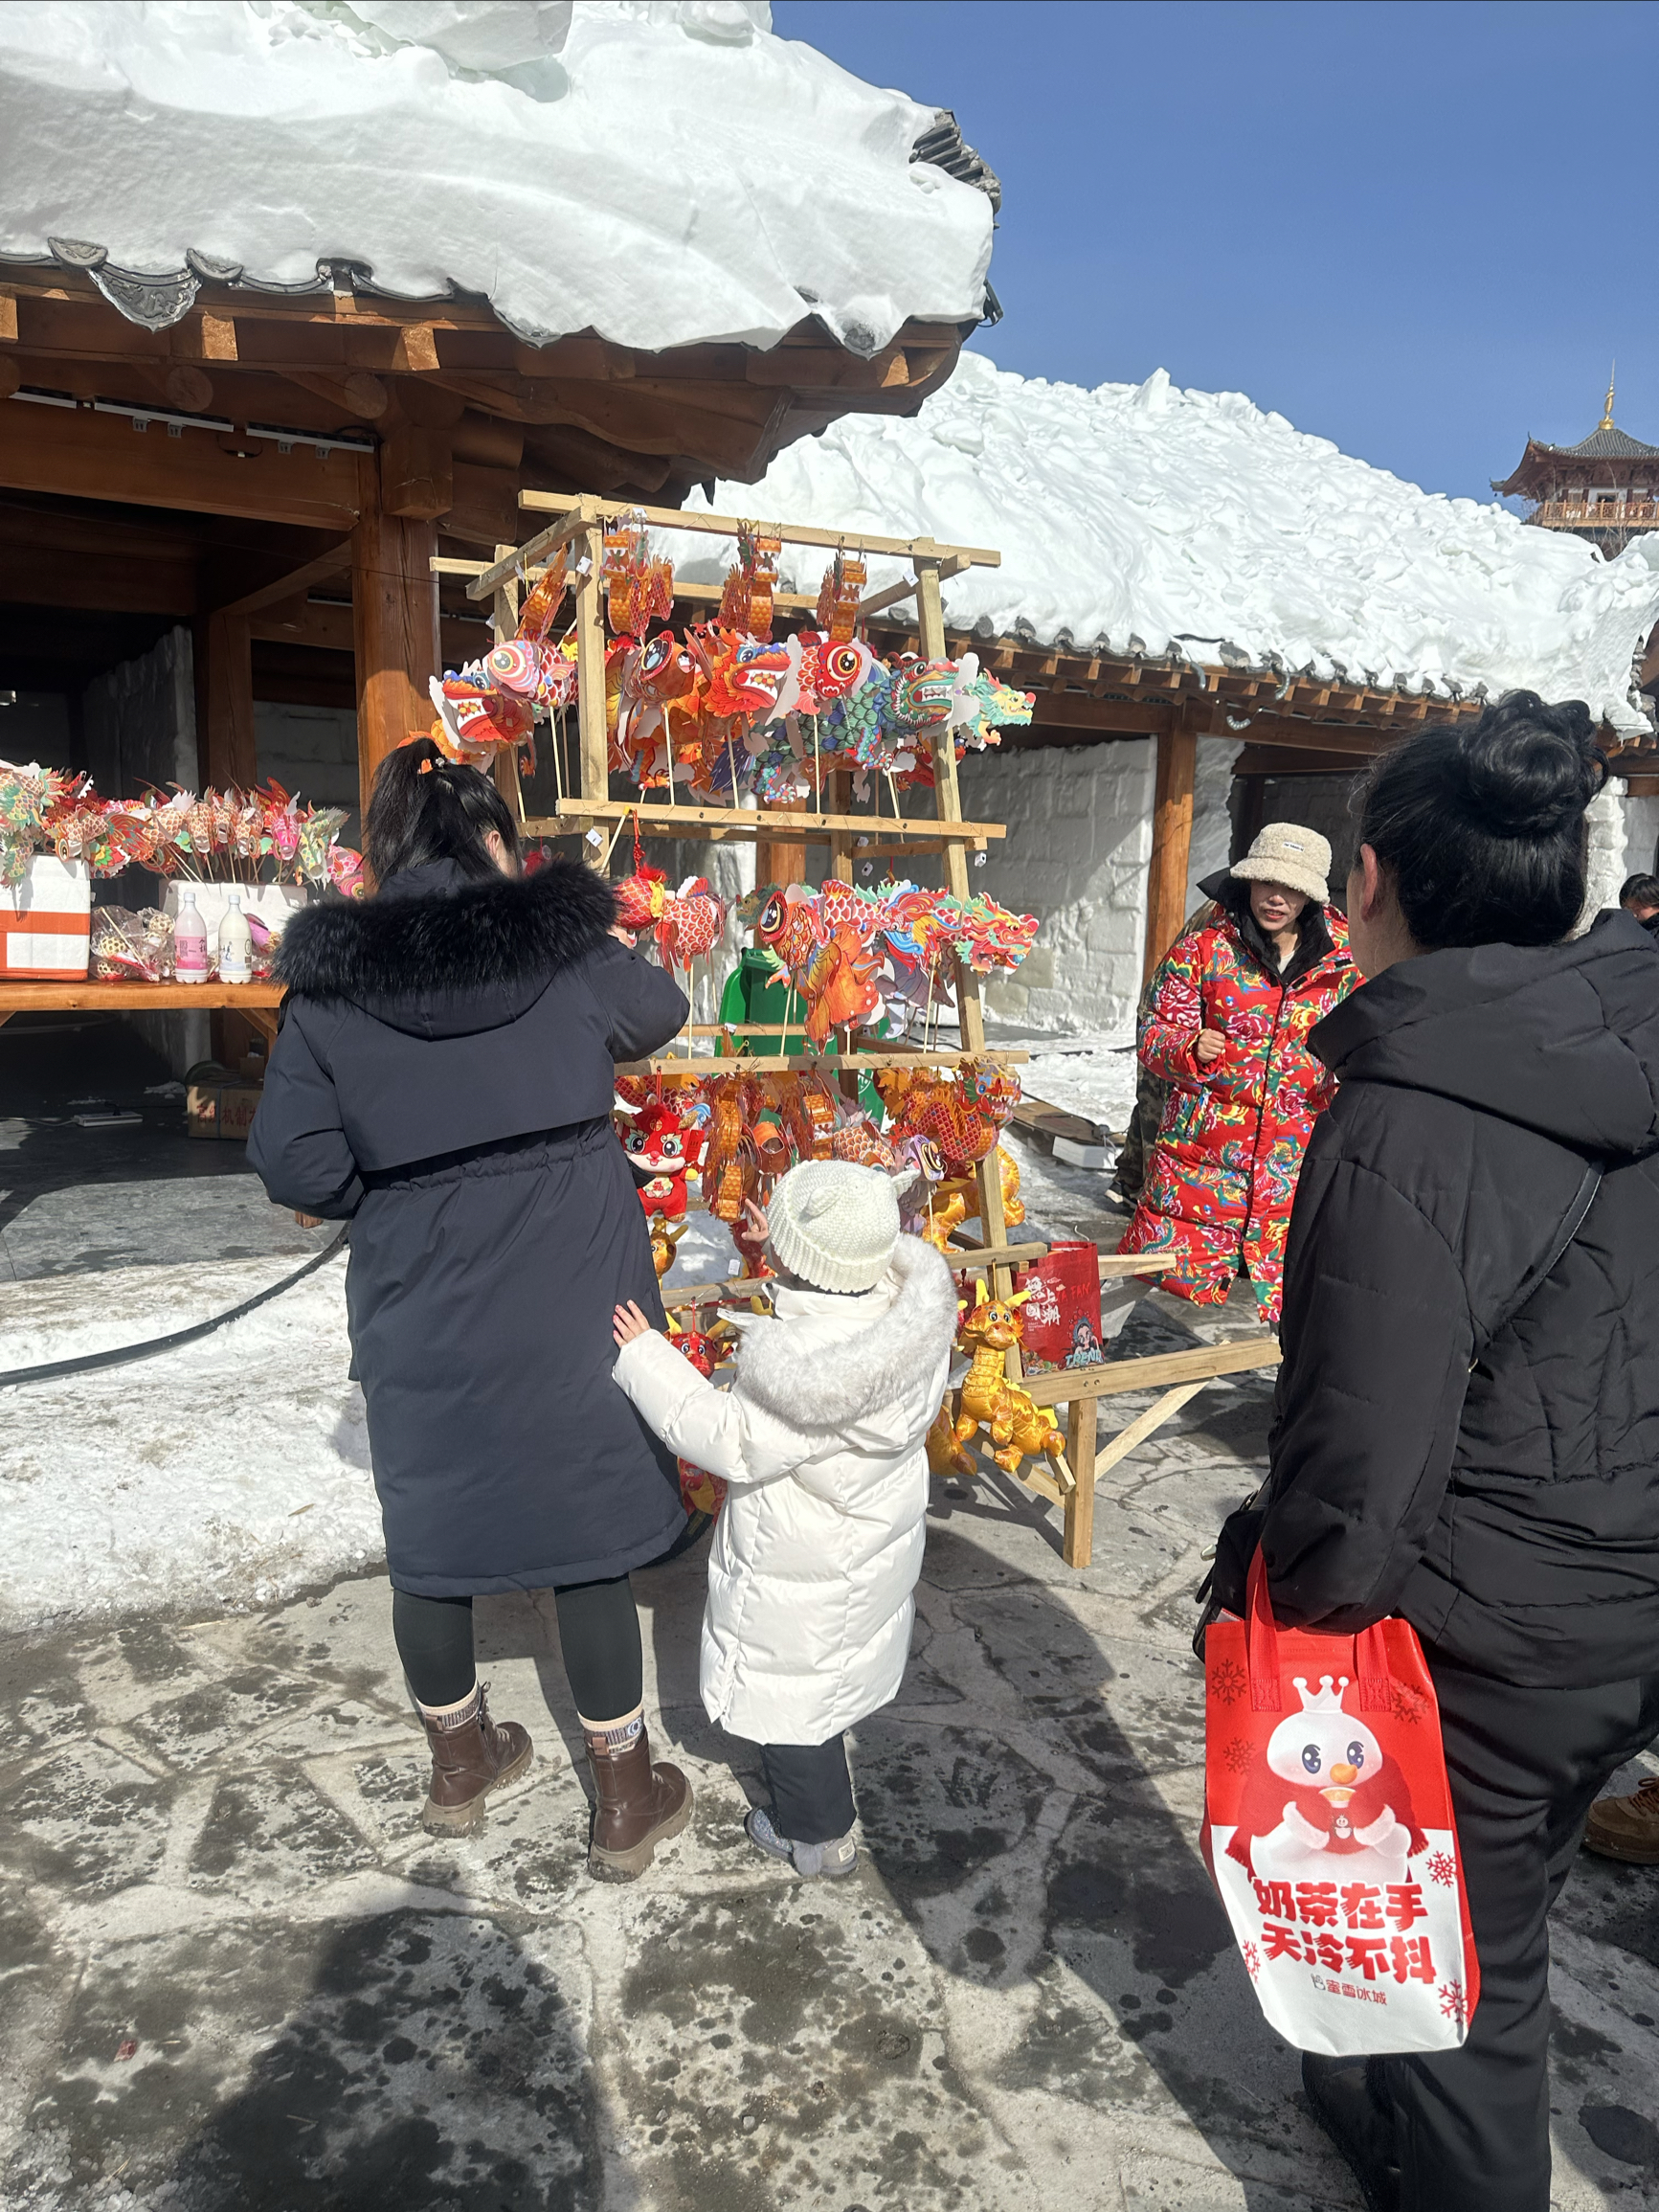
(827, 1384)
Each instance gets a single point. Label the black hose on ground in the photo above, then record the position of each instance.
(119, 1355)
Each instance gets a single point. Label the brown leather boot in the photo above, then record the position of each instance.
(471, 1756)
(636, 1806)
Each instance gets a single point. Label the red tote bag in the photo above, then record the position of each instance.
(1329, 1832)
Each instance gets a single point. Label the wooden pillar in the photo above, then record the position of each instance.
(1172, 838)
(587, 545)
(505, 623)
(780, 860)
(393, 629)
(1078, 1539)
(970, 1013)
(226, 752)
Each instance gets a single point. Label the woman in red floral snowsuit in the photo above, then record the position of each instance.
(1231, 1009)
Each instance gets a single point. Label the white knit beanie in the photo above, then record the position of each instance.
(834, 1224)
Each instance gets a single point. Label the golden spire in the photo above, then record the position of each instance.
(1606, 422)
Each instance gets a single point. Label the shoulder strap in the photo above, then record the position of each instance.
(1572, 1221)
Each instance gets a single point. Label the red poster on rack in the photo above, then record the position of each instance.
(1062, 1309)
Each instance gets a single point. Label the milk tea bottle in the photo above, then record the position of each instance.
(189, 942)
(235, 942)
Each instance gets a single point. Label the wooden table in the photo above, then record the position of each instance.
(257, 1001)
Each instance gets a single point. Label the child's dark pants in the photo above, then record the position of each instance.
(812, 1792)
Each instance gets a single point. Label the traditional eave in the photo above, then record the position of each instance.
(1604, 458)
(461, 412)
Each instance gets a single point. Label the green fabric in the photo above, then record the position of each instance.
(757, 990)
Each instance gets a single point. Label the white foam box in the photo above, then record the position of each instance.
(46, 923)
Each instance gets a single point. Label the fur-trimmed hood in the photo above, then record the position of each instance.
(439, 954)
(898, 1331)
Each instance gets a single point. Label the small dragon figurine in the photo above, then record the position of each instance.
(1019, 1429)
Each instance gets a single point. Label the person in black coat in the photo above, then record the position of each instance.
(443, 1078)
(1466, 1423)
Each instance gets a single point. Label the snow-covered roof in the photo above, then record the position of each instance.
(660, 171)
(1148, 520)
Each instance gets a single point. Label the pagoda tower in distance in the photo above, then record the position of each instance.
(1604, 488)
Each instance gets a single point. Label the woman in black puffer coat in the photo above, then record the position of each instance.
(1467, 1428)
(443, 1077)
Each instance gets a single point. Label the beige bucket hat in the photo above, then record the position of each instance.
(1284, 853)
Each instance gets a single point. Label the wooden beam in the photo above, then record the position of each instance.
(394, 630)
(778, 1063)
(325, 625)
(744, 821)
(73, 452)
(1295, 761)
(1172, 837)
(225, 749)
(563, 503)
(334, 562)
(1162, 1371)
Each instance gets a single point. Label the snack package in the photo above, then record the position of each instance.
(131, 947)
(1062, 1313)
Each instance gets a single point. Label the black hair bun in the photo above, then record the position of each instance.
(1527, 769)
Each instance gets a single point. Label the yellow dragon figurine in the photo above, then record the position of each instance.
(1018, 1428)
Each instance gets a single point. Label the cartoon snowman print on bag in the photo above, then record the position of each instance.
(1328, 1799)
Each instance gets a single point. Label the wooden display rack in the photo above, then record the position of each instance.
(257, 1001)
(579, 526)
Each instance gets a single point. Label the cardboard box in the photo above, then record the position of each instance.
(46, 923)
(222, 1106)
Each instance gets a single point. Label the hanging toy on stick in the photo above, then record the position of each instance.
(1018, 1428)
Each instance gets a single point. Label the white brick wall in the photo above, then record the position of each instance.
(1079, 840)
(1077, 851)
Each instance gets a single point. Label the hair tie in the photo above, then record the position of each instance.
(426, 768)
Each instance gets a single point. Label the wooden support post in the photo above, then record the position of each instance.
(226, 751)
(971, 1014)
(780, 860)
(589, 551)
(1172, 838)
(505, 623)
(1078, 1538)
(393, 632)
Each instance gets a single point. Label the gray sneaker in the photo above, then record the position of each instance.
(810, 1860)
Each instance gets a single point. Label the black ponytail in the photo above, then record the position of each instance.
(1482, 826)
(425, 807)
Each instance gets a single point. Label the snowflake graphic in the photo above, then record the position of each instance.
(1236, 1756)
(1451, 2001)
(1228, 1680)
(1443, 1868)
(1405, 1703)
(1252, 1960)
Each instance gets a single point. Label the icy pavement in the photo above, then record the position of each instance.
(237, 1975)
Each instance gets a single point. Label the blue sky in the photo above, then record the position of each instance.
(1421, 229)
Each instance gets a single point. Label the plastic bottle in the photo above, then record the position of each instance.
(189, 942)
(235, 942)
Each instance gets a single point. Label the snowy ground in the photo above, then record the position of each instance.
(233, 1471)
(239, 1979)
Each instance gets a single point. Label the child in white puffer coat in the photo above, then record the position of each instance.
(821, 1438)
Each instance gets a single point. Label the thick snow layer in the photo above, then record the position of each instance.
(661, 171)
(1146, 519)
(235, 1471)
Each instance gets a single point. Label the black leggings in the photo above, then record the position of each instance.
(598, 1631)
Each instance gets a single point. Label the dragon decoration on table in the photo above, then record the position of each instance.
(722, 707)
(264, 835)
